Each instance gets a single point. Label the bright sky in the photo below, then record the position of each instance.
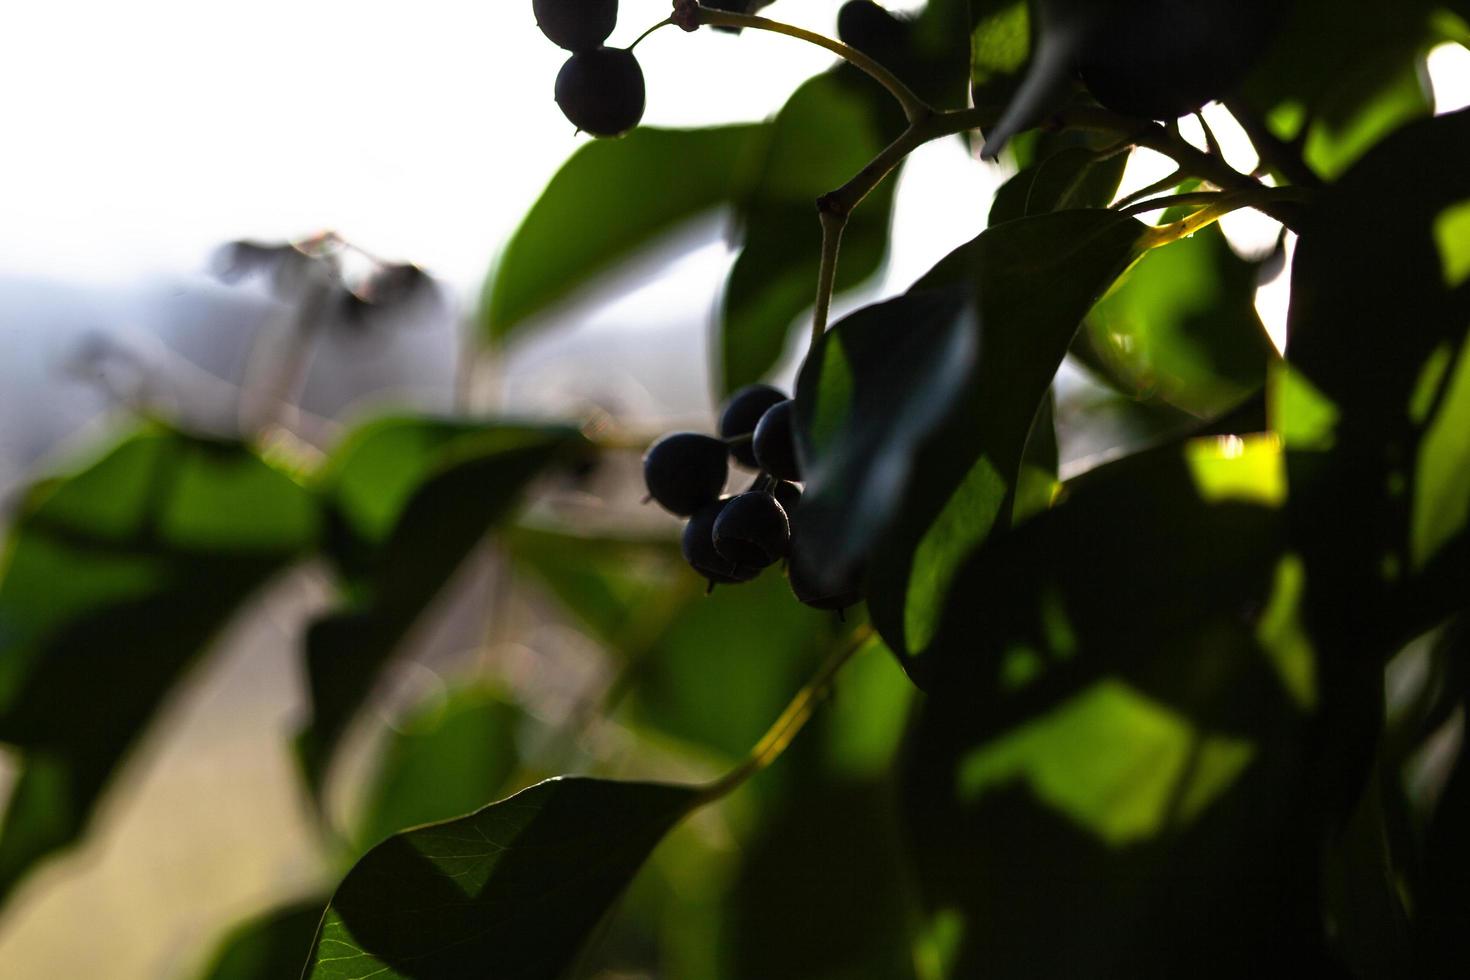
(139, 136)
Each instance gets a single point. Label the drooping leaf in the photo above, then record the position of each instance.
(611, 198)
(510, 892)
(271, 947)
(828, 130)
(879, 383)
(1379, 291)
(450, 757)
(410, 498)
(1181, 328)
(116, 579)
(1109, 778)
(1033, 279)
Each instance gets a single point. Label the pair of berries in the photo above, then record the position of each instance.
(600, 89)
(732, 539)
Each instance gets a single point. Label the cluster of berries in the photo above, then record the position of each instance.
(731, 539)
(600, 89)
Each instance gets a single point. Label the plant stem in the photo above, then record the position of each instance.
(833, 223)
(663, 23)
(1264, 195)
(796, 715)
(1275, 153)
(914, 107)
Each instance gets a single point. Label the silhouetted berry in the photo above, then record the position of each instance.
(788, 495)
(743, 410)
(601, 91)
(685, 471)
(872, 30)
(774, 442)
(1161, 59)
(577, 25)
(699, 548)
(826, 595)
(753, 530)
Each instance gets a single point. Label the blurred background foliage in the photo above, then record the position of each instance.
(1165, 673)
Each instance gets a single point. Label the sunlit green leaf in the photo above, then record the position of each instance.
(116, 578)
(611, 198)
(511, 892)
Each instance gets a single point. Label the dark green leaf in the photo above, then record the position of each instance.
(1072, 177)
(611, 198)
(829, 129)
(117, 577)
(1000, 45)
(448, 758)
(1181, 328)
(272, 947)
(1034, 279)
(879, 383)
(1377, 396)
(410, 498)
(510, 892)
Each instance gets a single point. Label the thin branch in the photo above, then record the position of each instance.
(1159, 186)
(1278, 155)
(914, 107)
(833, 224)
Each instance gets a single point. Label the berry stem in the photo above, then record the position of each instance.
(914, 107)
(833, 223)
(663, 23)
(786, 728)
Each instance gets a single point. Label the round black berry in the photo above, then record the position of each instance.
(811, 591)
(685, 471)
(1160, 59)
(577, 25)
(774, 442)
(699, 548)
(788, 495)
(601, 91)
(753, 530)
(742, 412)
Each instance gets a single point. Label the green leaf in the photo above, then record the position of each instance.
(117, 578)
(1033, 279)
(1181, 328)
(611, 198)
(1109, 777)
(1071, 177)
(1377, 357)
(828, 130)
(1000, 49)
(879, 383)
(449, 757)
(510, 892)
(270, 947)
(410, 498)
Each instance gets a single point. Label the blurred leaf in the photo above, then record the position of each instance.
(828, 130)
(511, 891)
(271, 947)
(1110, 778)
(1181, 328)
(450, 757)
(116, 578)
(583, 223)
(1000, 49)
(410, 498)
(1378, 293)
(1349, 70)
(879, 383)
(1071, 177)
(1034, 279)
(1442, 939)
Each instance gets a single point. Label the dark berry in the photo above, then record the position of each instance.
(601, 91)
(753, 530)
(788, 495)
(872, 30)
(1160, 59)
(699, 548)
(685, 471)
(577, 25)
(812, 591)
(742, 412)
(774, 442)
